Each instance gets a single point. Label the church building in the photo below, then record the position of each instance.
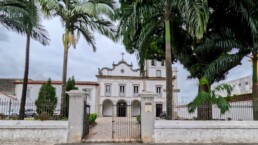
(116, 91)
(120, 86)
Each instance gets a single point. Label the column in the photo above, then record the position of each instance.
(76, 115)
(147, 116)
(100, 110)
(128, 111)
(114, 111)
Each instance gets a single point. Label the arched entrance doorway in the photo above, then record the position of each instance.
(121, 108)
(158, 110)
(136, 108)
(107, 108)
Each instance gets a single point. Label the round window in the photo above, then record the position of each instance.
(122, 70)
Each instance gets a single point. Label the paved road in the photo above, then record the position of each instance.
(26, 143)
(154, 144)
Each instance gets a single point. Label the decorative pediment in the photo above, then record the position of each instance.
(122, 68)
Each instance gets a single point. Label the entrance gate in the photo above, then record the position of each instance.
(125, 124)
(86, 119)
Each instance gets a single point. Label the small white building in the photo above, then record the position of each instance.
(117, 89)
(34, 88)
(240, 86)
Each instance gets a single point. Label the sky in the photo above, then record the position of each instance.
(46, 61)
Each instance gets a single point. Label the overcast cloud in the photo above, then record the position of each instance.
(83, 63)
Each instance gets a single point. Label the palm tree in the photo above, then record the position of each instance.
(242, 14)
(145, 17)
(33, 30)
(79, 17)
(12, 11)
(22, 16)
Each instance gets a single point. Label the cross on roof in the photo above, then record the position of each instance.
(122, 56)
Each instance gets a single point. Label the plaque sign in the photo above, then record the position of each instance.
(148, 107)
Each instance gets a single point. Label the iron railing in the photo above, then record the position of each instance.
(238, 111)
(9, 109)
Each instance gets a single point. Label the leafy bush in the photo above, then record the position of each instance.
(211, 97)
(92, 118)
(2, 116)
(70, 85)
(47, 99)
(138, 118)
(44, 116)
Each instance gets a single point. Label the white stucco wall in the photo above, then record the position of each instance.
(33, 131)
(115, 83)
(166, 131)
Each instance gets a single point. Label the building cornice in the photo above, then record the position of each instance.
(40, 82)
(131, 77)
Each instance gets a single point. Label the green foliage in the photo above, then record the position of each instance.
(47, 99)
(70, 85)
(92, 118)
(81, 18)
(203, 81)
(43, 116)
(212, 97)
(138, 118)
(142, 25)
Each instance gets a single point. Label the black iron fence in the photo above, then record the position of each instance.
(44, 110)
(238, 111)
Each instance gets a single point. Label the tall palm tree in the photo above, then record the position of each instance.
(11, 13)
(79, 17)
(150, 15)
(34, 30)
(22, 16)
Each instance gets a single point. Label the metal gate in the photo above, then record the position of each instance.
(86, 120)
(125, 124)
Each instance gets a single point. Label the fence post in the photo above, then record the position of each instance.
(76, 115)
(147, 116)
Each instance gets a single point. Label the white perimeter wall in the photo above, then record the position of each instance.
(166, 131)
(33, 131)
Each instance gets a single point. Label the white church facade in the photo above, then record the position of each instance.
(120, 86)
(116, 91)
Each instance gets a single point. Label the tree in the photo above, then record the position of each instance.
(142, 19)
(79, 17)
(234, 15)
(70, 86)
(211, 97)
(35, 31)
(47, 99)
(22, 16)
(12, 11)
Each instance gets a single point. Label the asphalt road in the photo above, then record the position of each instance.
(24, 143)
(152, 144)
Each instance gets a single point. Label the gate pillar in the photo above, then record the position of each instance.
(76, 115)
(147, 116)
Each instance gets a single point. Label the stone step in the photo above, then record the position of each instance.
(111, 140)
